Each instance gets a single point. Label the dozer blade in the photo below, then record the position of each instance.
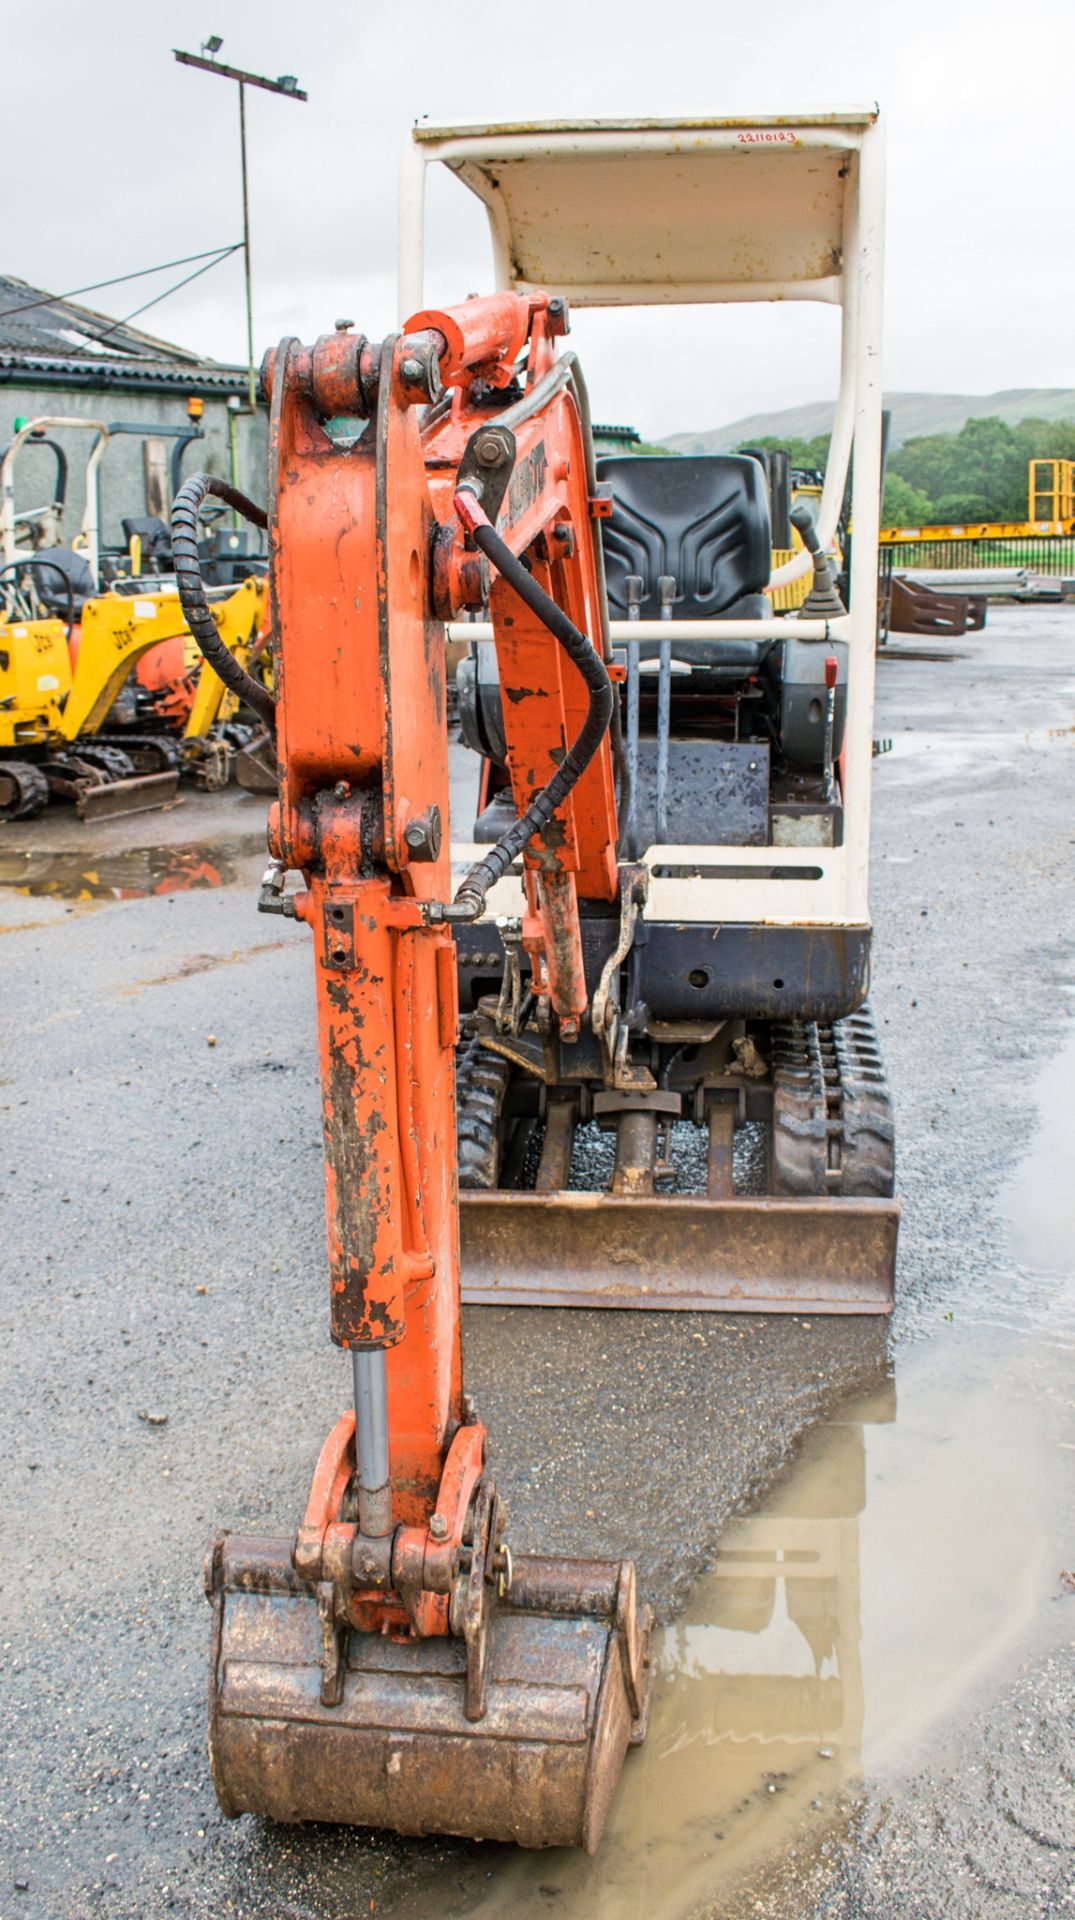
(145, 791)
(568, 1681)
(679, 1251)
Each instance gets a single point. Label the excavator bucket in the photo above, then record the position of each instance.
(255, 764)
(765, 1255)
(567, 1678)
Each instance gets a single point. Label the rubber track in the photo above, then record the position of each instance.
(113, 762)
(481, 1081)
(833, 1129)
(32, 795)
(160, 750)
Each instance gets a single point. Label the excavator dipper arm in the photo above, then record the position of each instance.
(391, 1666)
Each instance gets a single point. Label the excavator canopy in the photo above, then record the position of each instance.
(643, 212)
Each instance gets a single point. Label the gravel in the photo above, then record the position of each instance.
(163, 1257)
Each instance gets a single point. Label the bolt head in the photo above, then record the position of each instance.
(411, 369)
(489, 451)
(438, 1527)
(422, 835)
(344, 326)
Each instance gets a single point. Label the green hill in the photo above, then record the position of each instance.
(913, 414)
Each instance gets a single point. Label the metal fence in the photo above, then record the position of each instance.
(1051, 555)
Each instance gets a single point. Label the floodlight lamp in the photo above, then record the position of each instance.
(213, 44)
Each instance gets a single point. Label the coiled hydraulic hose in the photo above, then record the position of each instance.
(470, 895)
(192, 596)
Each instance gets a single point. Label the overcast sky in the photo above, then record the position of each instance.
(117, 158)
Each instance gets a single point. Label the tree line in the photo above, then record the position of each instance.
(979, 473)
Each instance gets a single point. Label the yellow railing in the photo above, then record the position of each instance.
(1051, 490)
(1050, 509)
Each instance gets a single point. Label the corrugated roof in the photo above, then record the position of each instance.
(46, 334)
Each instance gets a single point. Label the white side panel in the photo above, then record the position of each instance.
(742, 890)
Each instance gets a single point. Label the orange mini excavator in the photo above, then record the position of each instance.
(660, 927)
(390, 1665)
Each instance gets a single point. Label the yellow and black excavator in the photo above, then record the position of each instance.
(58, 689)
(104, 699)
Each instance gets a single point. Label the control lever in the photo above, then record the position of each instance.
(832, 669)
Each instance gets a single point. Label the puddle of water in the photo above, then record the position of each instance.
(132, 873)
(1041, 1205)
(885, 1577)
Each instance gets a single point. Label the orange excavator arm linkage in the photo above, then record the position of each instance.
(438, 507)
(364, 803)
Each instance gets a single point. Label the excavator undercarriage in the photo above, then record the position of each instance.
(703, 1177)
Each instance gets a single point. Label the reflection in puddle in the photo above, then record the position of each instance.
(890, 1572)
(1041, 1207)
(885, 1575)
(131, 873)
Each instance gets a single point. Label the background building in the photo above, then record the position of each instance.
(57, 357)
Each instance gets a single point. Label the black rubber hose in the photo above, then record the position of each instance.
(192, 595)
(585, 657)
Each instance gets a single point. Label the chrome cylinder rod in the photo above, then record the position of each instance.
(371, 1439)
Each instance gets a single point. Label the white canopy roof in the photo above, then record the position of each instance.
(634, 212)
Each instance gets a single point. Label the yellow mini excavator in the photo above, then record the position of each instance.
(56, 696)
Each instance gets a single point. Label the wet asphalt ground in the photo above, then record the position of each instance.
(166, 1368)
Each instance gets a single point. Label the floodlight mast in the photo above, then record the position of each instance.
(286, 85)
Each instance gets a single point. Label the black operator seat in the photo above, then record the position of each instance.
(156, 541)
(704, 519)
(64, 580)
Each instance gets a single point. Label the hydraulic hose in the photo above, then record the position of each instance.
(192, 594)
(566, 372)
(470, 895)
